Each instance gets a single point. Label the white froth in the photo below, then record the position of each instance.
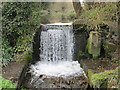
(59, 69)
(56, 53)
(60, 24)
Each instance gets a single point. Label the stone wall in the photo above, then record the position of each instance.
(36, 45)
(80, 40)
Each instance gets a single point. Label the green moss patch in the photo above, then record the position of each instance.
(25, 56)
(106, 79)
(110, 47)
(94, 44)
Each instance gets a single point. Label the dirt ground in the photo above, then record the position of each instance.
(100, 65)
(13, 71)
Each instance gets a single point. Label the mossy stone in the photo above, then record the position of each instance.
(104, 79)
(89, 75)
(94, 44)
(110, 47)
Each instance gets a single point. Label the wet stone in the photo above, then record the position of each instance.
(78, 81)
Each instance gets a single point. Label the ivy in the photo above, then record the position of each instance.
(19, 22)
(16, 20)
(7, 53)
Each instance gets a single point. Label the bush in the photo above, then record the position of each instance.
(19, 21)
(71, 15)
(7, 53)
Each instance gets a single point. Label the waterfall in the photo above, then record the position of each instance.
(56, 43)
(56, 52)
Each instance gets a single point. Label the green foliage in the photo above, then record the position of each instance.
(109, 47)
(23, 43)
(105, 79)
(7, 53)
(6, 83)
(25, 56)
(24, 89)
(19, 21)
(115, 60)
(71, 15)
(89, 74)
(99, 14)
(44, 13)
(80, 54)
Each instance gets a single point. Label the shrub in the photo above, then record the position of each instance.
(19, 21)
(7, 53)
(107, 79)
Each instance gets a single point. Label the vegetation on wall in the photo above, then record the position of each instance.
(19, 21)
(101, 17)
(106, 79)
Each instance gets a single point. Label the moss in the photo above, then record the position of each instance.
(89, 74)
(109, 47)
(106, 79)
(25, 56)
(81, 54)
(98, 79)
(93, 45)
(115, 60)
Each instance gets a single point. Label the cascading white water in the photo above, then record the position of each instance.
(56, 55)
(57, 44)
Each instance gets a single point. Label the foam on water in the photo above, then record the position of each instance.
(56, 52)
(60, 24)
(59, 69)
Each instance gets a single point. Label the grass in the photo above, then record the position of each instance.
(7, 84)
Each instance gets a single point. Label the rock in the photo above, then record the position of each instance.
(94, 44)
(77, 81)
(110, 47)
(111, 50)
(105, 79)
(36, 44)
(80, 39)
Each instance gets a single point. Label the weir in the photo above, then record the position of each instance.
(57, 43)
(56, 52)
(56, 67)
